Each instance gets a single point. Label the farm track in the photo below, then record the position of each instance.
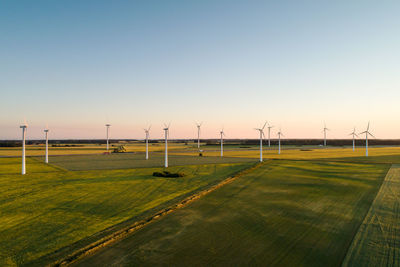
(377, 243)
(116, 236)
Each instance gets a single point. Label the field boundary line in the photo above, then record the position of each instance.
(372, 236)
(120, 234)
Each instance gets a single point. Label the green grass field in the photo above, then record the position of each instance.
(376, 154)
(303, 207)
(285, 213)
(126, 161)
(49, 209)
(82, 149)
(377, 243)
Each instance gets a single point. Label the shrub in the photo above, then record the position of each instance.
(168, 174)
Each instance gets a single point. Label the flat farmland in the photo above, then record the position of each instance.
(82, 149)
(376, 154)
(12, 166)
(128, 160)
(284, 213)
(49, 212)
(377, 242)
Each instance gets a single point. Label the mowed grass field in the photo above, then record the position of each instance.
(376, 154)
(45, 212)
(302, 207)
(377, 242)
(284, 213)
(127, 160)
(81, 149)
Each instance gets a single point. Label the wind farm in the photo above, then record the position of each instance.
(198, 133)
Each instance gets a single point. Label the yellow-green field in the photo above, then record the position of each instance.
(49, 209)
(303, 207)
(377, 242)
(299, 154)
(39, 150)
(284, 213)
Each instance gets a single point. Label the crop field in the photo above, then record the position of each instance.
(39, 150)
(377, 243)
(126, 160)
(286, 213)
(50, 209)
(376, 154)
(304, 207)
(12, 166)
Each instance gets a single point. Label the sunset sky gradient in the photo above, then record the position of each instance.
(77, 65)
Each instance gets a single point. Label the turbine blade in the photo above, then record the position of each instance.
(264, 125)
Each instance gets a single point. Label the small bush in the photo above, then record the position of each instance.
(168, 174)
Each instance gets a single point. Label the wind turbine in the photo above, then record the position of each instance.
(261, 130)
(23, 127)
(108, 129)
(147, 131)
(366, 139)
(46, 132)
(198, 134)
(222, 142)
(269, 134)
(279, 142)
(166, 132)
(325, 129)
(354, 136)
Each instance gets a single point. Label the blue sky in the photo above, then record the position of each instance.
(76, 65)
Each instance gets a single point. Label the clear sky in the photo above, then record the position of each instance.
(77, 65)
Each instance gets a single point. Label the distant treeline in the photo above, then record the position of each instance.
(293, 142)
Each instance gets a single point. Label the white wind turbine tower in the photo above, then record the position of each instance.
(269, 134)
(23, 127)
(198, 134)
(222, 142)
(108, 129)
(261, 130)
(166, 133)
(325, 129)
(279, 141)
(46, 132)
(354, 138)
(147, 131)
(366, 139)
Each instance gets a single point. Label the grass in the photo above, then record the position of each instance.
(376, 154)
(49, 209)
(377, 243)
(12, 166)
(126, 160)
(301, 208)
(39, 150)
(287, 213)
